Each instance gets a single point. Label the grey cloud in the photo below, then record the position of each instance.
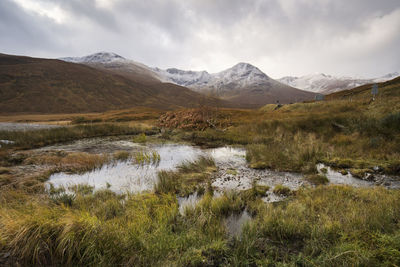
(282, 37)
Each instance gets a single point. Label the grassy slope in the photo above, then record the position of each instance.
(32, 85)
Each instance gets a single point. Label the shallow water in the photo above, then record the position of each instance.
(336, 177)
(123, 176)
(235, 222)
(127, 176)
(12, 126)
(232, 174)
(188, 202)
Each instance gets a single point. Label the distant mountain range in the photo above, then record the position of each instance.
(326, 84)
(105, 81)
(244, 85)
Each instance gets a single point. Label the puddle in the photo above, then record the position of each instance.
(235, 222)
(232, 174)
(96, 145)
(188, 202)
(11, 126)
(127, 176)
(336, 177)
(272, 197)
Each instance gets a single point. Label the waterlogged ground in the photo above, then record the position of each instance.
(232, 170)
(11, 126)
(335, 177)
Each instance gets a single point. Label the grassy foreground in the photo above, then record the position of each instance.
(325, 226)
(320, 226)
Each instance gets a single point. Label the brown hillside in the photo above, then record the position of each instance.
(33, 85)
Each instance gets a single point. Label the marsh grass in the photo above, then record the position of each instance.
(38, 138)
(75, 162)
(282, 190)
(317, 179)
(145, 157)
(121, 155)
(325, 226)
(200, 165)
(189, 178)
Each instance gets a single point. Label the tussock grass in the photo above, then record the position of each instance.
(324, 226)
(282, 190)
(317, 179)
(190, 177)
(76, 162)
(200, 165)
(143, 157)
(121, 155)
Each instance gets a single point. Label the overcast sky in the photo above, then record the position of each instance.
(281, 37)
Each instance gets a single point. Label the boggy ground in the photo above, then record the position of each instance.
(324, 225)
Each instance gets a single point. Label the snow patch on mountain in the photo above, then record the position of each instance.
(323, 83)
(101, 57)
(242, 74)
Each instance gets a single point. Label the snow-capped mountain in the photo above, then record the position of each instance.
(118, 64)
(242, 84)
(183, 77)
(387, 77)
(101, 57)
(240, 75)
(325, 84)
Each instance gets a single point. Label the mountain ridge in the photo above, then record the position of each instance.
(326, 84)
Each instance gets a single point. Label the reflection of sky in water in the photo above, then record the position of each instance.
(233, 172)
(336, 177)
(126, 176)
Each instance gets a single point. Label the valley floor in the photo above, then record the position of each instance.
(318, 224)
